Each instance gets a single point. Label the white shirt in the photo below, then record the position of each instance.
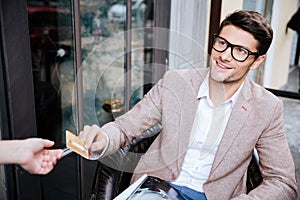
(196, 168)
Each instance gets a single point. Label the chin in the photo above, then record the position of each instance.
(217, 77)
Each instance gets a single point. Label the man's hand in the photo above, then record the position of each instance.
(94, 139)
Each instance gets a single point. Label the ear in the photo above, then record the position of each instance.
(257, 62)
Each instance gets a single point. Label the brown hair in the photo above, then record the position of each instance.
(254, 23)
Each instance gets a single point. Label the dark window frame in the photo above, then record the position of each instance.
(16, 68)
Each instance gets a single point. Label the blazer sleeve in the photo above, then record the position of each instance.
(275, 163)
(136, 121)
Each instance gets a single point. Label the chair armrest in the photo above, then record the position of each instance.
(254, 177)
(114, 172)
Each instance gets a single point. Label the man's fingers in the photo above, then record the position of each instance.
(99, 145)
(90, 134)
(84, 133)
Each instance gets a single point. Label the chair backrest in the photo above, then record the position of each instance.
(109, 182)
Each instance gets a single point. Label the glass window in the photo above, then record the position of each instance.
(52, 51)
(263, 7)
(105, 58)
(68, 93)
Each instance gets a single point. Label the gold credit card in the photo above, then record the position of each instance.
(76, 144)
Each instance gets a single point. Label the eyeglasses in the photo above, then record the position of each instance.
(238, 52)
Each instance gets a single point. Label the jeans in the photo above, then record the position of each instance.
(187, 193)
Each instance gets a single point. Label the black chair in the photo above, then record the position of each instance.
(110, 182)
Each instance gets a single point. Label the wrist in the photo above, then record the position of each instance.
(11, 152)
(21, 153)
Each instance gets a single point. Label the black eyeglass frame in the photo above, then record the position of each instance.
(215, 36)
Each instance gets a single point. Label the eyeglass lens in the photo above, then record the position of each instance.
(238, 53)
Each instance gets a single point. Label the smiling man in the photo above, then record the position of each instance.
(212, 120)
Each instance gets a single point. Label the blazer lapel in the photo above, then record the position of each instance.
(190, 103)
(235, 123)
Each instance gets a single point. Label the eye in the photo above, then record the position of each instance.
(222, 42)
(241, 50)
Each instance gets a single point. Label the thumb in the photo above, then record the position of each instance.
(47, 143)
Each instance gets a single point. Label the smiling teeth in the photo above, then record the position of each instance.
(222, 66)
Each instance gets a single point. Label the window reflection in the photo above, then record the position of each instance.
(50, 24)
(52, 51)
(103, 66)
(102, 26)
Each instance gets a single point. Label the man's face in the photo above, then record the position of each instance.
(224, 68)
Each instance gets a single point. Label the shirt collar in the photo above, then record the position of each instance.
(204, 91)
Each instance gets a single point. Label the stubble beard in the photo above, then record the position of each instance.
(224, 78)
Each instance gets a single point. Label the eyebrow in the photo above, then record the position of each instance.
(238, 45)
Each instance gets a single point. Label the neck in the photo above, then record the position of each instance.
(220, 92)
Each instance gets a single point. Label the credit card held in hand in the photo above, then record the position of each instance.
(74, 143)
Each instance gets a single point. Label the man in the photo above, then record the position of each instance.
(31, 154)
(203, 162)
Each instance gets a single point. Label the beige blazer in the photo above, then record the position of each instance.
(256, 121)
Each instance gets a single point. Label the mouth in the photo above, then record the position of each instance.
(221, 66)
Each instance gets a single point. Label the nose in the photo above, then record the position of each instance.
(226, 55)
